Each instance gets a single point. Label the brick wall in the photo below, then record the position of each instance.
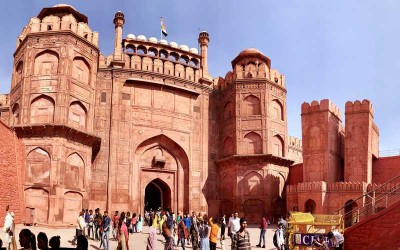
(380, 231)
(11, 172)
(385, 168)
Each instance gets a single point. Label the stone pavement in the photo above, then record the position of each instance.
(137, 241)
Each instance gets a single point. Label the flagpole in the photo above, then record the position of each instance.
(161, 29)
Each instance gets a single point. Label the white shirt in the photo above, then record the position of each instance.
(279, 237)
(234, 224)
(337, 238)
(8, 222)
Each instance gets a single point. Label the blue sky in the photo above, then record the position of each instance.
(341, 50)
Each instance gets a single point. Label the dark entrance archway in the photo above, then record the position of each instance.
(157, 194)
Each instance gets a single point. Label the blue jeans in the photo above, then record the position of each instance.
(106, 240)
(183, 243)
(262, 236)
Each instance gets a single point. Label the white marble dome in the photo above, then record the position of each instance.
(173, 44)
(153, 39)
(194, 51)
(162, 41)
(131, 36)
(184, 47)
(141, 38)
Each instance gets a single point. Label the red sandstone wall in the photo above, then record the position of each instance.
(385, 168)
(380, 231)
(11, 169)
(295, 174)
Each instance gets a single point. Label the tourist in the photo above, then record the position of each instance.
(194, 233)
(27, 239)
(80, 225)
(128, 222)
(263, 229)
(90, 224)
(279, 236)
(241, 240)
(115, 220)
(134, 223)
(122, 233)
(42, 241)
(160, 222)
(152, 239)
(229, 226)
(7, 226)
(182, 234)
(234, 224)
(188, 222)
(86, 216)
(139, 224)
(170, 221)
(213, 233)
(106, 231)
(82, 243)
(222, 237)
(12, 243)
(97, 223)
(169, 241)
(320, 243)
(204, 233)
(337, 239)
(55, 242)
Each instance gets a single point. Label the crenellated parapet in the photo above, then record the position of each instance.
(60, 17)
(317, 186)
(4, 100)
(359, 107)
(295, 143)
(346, 186)
(323, 105)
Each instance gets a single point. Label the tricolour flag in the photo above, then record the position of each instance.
(163, 28)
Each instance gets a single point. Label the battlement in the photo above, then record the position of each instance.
(4, 100)
(311, 186)
(323, 105)
(70, 20)
(384, 188)
(346, 186)
(357, 107)
(295, 142)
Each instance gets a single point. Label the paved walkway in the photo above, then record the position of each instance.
(137, 241)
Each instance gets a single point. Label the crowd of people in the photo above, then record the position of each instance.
(200, 231)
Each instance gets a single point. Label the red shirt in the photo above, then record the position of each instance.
(264, 224)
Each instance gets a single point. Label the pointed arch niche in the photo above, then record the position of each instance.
(252, 105)
(77, 115)
(253, 184)
(42, 110)
(46, 63)
(38, 166)
(81, 70)
(252, 143)
(74, 172)
(278, 146)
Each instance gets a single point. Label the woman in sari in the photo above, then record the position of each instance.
(123, 235)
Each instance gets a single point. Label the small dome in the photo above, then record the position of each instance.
(162, 41)
(153, 39)
(131, 36)
(63, 5)
(141, 38)
(184, 47)
(194, 51)
(250, 51)
(173, 44)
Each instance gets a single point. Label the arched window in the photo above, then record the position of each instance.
(163, 54)
(310, 206)
(351, 215)
(38, 166)
(77, 115)
(228, 111)
(252, 184)
(252, 143)
(141, 50)
(250, 70)
(130, 49)
(74, 172)
(19, 72)
(252, 105)
(42, 110)
(152, 52)
(228, 148)
(277, 110)
(16, 113)
(277, 146)
(81, 70)
(46, 63)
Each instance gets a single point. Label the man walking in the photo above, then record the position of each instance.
(106, 231)
(241, 240)
(263, 228)
(234, 225)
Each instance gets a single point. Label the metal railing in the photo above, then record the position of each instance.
(389, 152)
(372, 201)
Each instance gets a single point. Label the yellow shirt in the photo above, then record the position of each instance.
(214, 231)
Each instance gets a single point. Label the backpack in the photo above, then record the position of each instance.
(275, 240)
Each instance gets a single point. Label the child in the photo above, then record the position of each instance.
(320, 243)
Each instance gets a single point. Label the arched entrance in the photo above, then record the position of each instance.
(351, 215)
(310, 206)
(157, 194)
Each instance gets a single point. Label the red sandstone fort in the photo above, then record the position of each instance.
(148, 127)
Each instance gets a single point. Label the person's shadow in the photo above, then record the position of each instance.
(95, 247)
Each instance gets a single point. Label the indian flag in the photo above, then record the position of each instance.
(163, 28)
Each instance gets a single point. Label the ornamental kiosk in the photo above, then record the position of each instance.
(304, 228)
